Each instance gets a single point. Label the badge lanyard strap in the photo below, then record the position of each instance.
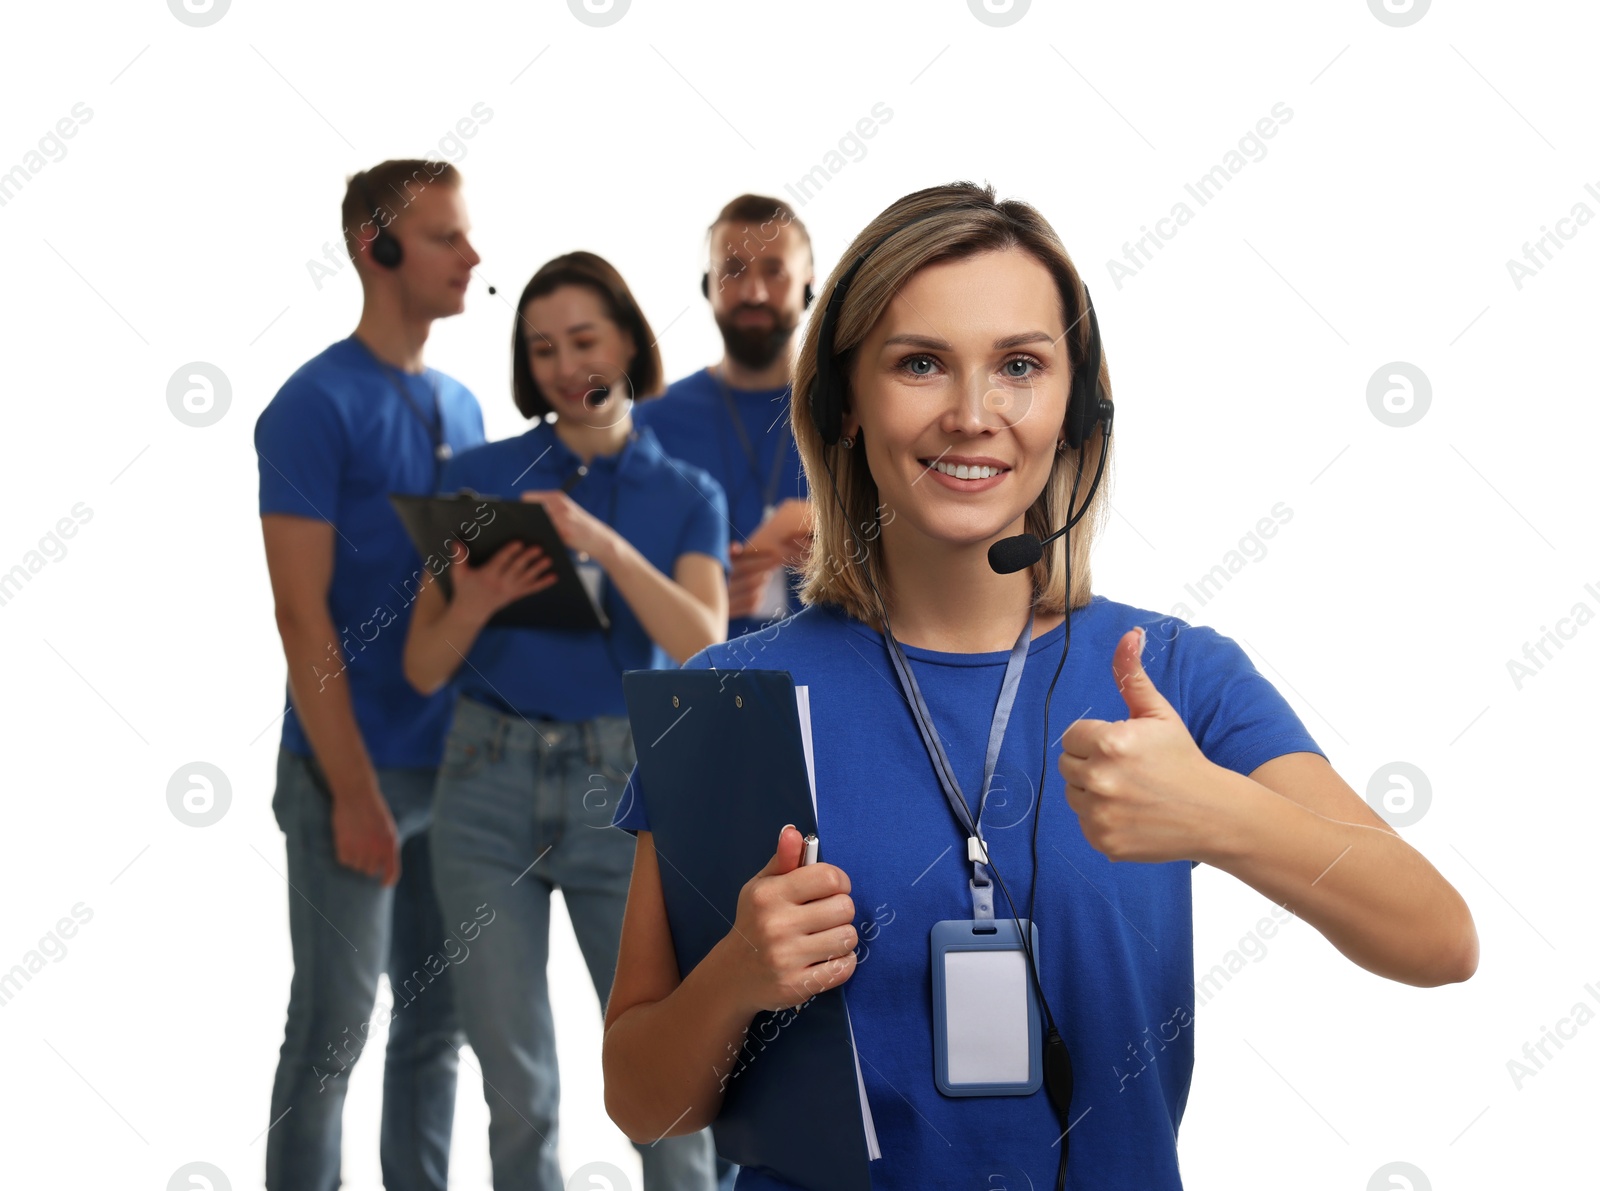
(771, 491)
(567, 486)
(977, 850)
(435, 429)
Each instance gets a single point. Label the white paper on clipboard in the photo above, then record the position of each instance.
(802, 698)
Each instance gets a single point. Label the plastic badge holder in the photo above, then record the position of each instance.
(982, 977)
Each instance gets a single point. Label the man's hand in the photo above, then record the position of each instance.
(783, 539)
(364, 834)
(751, 571)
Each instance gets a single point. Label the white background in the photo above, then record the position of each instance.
(1418, 561)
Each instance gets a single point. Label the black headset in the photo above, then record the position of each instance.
(705, 288)
(386, 248)
(1086, 405)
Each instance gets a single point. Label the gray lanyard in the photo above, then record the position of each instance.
(977, 850)
(435, 429)
(770, 495)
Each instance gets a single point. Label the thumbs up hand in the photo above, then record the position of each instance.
(1141, 787)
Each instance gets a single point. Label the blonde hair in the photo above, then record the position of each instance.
(952, 222)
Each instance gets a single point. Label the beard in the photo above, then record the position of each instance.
(756, 347)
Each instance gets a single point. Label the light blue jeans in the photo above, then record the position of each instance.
(523, 807)
(345, 928)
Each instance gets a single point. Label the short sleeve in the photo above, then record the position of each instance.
(705, 530)
(301, 445)
(1235, 715)
(630, 816)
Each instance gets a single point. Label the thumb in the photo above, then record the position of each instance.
(787, 858)
(1138, 692)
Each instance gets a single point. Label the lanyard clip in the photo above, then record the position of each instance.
(977, 850)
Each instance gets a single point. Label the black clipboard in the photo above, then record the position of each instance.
(483, 524)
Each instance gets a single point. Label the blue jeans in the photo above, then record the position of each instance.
(345, 928)
(521, 808)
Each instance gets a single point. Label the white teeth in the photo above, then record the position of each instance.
(962, 471)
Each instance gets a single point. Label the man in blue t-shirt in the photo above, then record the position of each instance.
(360, 747)
(732, 418)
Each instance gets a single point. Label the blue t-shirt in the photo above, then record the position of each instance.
(1116, 946)
(664, 509)
(331, 445)
(691, 420)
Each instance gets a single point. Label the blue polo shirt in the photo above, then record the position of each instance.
(665, 509)
(691, 420)
(1116, 949)
(331, 445)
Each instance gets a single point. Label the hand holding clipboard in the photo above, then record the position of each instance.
(797, 915)
(485, 525)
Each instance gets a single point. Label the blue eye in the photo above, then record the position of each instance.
(905, 365)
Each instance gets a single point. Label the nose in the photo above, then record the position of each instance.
(471, 254)
(753, 289)
(968, 410)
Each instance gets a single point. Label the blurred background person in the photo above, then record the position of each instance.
(732, 417)
(539, 749)
(358, 758)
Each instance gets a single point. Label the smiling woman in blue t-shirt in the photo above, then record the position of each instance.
(539, 747)
(953, 330)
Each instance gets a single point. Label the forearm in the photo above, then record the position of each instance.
(670, 613)
(437, 645)
(1371, 894)
(666, 1063)
(320, 691)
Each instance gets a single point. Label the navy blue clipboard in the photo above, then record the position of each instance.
(722, 768)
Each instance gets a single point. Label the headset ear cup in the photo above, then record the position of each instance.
(705, 285)
(1077, 406)
(386, 250)
(1087, 404)
(825, 415)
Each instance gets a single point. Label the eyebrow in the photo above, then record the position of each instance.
(572, 330)
(1001, 344)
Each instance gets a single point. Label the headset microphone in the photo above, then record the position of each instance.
(1015, 554)
(491, 289)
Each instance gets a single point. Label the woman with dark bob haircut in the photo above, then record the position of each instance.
(539, 747)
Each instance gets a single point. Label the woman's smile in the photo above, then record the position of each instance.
(964, 473)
